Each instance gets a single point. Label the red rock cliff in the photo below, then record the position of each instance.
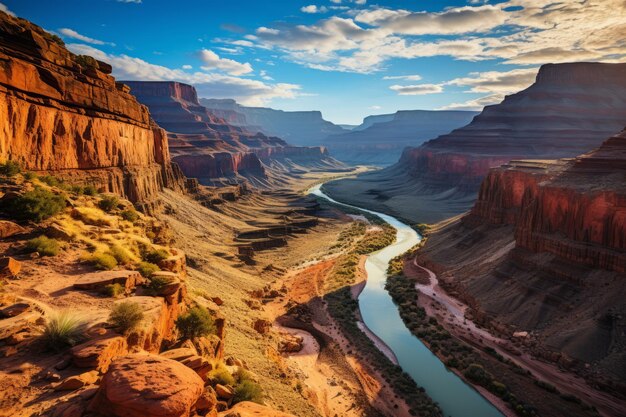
(66, 115)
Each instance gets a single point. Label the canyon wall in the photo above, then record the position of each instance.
(381, 139)
(64, 114)
(303, 128)
(543, 250)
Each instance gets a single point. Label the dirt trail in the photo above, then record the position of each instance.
(455, 321)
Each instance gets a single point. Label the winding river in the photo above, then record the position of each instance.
(380, 314)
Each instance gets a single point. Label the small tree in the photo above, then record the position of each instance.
(10, 169)
(196, 322)
(108, 203)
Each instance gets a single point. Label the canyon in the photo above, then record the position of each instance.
(569, 110)
(208, 147)
(380, 139)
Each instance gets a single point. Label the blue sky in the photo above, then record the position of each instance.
(347, 58)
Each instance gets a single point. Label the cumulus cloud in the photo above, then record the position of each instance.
(4, 8)
(417, 89)
(71, 33)
(503, 82)
(475, 104)
(517, 32)
(186, 67)
(314, 9)
(212, 61)
(403, 77)
(244, 90)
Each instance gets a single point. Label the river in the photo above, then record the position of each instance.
(380, 314)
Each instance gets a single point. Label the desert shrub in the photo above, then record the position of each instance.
(130, 215)
(50, 180)
(220, 375)
(10, 169)
(29, 176)
(102, 261)
(195, 323)
(76, 189)
(248, 390)
(157, 284)
(146, 268)
(90, 190)
(44, 245)
(156, 255)
(36, 205)
(63, 329)
(113, 290)
(126, 316)
(108, 203)
(86, 61)
(121, 255)
(92, 216)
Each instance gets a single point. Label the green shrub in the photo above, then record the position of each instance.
(76, 189)
(63, 329)
(130, 215)
(29, 176)
(108, 203)
(157, 284)
(50, 180)
(36, 205)
(156, 255)
(195, 323)
(113, 290)
(126, 316)
(44, 245)
(10, 169)
(220, 375)
(86, 61)
(90, 190)
(121, 255)
(102, 261)
(248, 390)
(146, 268)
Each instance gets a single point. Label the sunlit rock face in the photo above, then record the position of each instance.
(66, 115)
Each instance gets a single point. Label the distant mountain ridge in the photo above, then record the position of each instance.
(380, 139)
(305, 128)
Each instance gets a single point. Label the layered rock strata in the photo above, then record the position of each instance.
(65, 114)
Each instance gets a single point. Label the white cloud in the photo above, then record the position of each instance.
(314, 9)
(4, 8)
(71, 33)
(374, 107)
(186, 67)
(213, 61)
(129, 1)
(475, 104)
(403, 77)
(263, 74)
(244, 90)
(502, 82)
(417, 89)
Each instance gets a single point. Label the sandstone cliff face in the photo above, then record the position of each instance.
(207, 146)
(569, 110)
(544, 250)
(69, 117)
(303, 128)
(381, 139)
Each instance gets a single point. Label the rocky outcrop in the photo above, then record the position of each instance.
(66, 115)
(381, 139)
(569, 110)
(303, 128)
(250, 409)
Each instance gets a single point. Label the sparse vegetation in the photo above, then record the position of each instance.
(221, 375)
(126, 316)
(113, 290)
(108, 203)
(248, 390)
(43, 245)
(195, 323)
(10, 169)
(156, 255)
(146, 268)
(62, 330)
(103, 261)
(157, 284)
(130, 215)
(36, 205)
(122, 255)
(86, 61)
(90, 190)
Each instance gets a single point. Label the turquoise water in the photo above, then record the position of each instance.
(380, 314)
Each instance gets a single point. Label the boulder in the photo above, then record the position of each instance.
(14, 310)
(157, 324)
(77, 381)
(147, 386)
(8, 229)
(207, 402)
(290, 344)
(98, 353)
(250, 409)
(9, 267)
(175, 263)
(179, 354)
(224, 392)
(262, 326)
(96, 281)
(173, 282)
(199, 364)
(57, 232)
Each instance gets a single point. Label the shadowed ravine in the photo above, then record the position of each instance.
(381, 315)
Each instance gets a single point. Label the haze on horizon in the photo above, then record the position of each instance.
(347, 58)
